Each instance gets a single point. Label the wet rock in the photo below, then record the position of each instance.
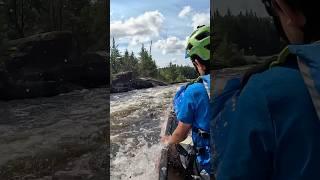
(126, 81)
(122, 78)
(48, 64)
(96, 69)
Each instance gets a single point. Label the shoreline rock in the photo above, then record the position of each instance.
(126, 81)
(49, 64)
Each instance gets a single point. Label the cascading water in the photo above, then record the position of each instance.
(135, 126)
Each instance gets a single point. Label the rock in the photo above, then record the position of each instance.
(141, 84)
(126, 81)
(123, 77)
(47, 64)
(96, 69)
(41, 50)
(154, 82)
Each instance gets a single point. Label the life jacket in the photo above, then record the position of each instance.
(308, 58)
(225, 91)
(200, 134)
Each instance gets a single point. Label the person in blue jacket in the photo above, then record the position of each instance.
(191, 102)
(274, 131)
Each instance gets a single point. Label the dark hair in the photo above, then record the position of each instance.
(310, 9)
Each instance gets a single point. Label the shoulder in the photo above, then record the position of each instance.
(195, 89)
(277, 79)
(278, 84)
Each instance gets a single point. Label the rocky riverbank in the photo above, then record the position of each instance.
(48, 64)
(127, 81)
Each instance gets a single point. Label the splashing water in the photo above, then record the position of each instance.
(136, 120)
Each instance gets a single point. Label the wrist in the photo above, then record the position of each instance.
(170, 140)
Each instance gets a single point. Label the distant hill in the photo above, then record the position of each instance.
(240, 5)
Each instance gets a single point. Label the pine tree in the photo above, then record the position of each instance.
(147, 66)
(114, 58)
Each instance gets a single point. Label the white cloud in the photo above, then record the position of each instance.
(174, 60)
(200, 19)
(138, 29)
(171, 45)
(185, 11)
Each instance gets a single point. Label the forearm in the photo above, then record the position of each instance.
(176, 138)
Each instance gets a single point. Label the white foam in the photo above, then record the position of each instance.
(137, 156)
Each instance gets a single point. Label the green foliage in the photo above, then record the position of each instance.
(115, 57)
(145, 66)
(84, 18)
(242, 35)
(174, 73)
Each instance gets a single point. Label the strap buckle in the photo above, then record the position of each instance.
(200, 150)
(203, 134)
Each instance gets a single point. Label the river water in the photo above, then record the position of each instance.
(135, 126)
(47, 130)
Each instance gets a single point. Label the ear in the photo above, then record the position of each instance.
(293, 16)
(199, 65)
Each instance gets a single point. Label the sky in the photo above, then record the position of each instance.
(167, 23)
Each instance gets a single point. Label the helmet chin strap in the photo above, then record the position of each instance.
(280, 30)
(196, 69)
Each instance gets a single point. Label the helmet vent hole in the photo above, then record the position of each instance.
(202, 36)
(189, 46)
(207, 47)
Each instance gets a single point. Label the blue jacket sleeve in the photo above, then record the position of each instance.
(248, 153)
(184, 106)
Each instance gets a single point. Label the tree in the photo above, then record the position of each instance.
(114, 58)
(147, 65)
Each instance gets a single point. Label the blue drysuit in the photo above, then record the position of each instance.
(274, 131)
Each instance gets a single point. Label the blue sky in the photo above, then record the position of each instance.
(166, 22)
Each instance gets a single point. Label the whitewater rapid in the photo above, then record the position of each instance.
(135, 126)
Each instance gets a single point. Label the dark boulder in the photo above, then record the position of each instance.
(48, 64)
(38, 51)
(96, 69)
(127, 81)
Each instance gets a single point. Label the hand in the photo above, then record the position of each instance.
(165, 140)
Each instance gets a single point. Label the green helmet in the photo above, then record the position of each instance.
(199, 43)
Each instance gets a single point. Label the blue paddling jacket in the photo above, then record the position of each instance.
(191, 105)
(273, 130)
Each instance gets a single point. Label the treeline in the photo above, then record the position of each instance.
(175, 73)
(85, 18)
(144, 65)
(245, 34)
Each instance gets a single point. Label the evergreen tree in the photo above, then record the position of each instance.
(115, 57)
(147, 66)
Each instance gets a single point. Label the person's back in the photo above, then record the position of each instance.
(274, 131)
(278, 131)
(192, 107)
(191, 104)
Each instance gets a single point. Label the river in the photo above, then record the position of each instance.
(60, 137)
(135, 125)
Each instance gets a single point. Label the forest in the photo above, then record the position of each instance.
(51, 47)
(239, 36)
(143, 65)
(238, 40)
(84, 18)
